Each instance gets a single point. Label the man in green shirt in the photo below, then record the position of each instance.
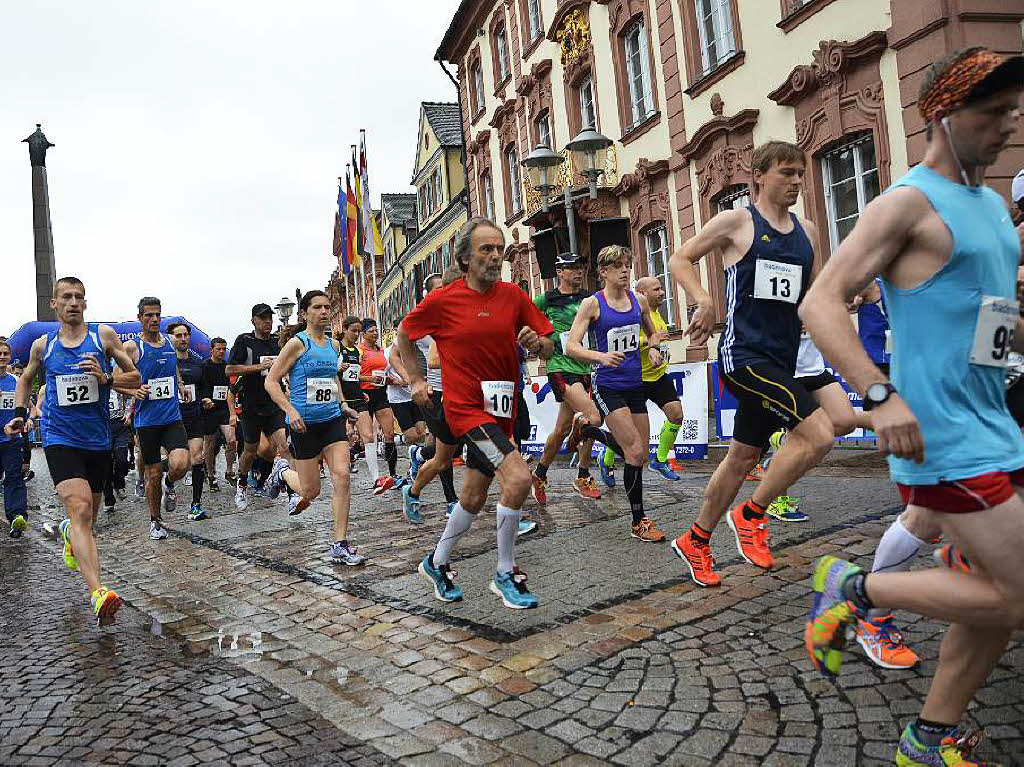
(569, 378)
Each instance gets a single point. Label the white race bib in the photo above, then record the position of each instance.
(161, 388)
(77, 389)
(190, 389)
(115, 406)
(266, 359)
(563, 338)
(379, 377)
(624, 339)
(665, 354)
(320, 391)
(888, 342)
(776, 281)
(498, 397)
(351, 373)
(220, 394)
(993, 335)
(6, 400)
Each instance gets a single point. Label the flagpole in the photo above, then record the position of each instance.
(369, 206)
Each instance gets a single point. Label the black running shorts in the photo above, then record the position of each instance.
(407, 414)
(815, 382)
(214, 419)
(660, 392)
(67, 462)
(434, 418)
(610, 400)
(169, 436)
(769, 398)
(377, 399)
(486, 447)
(195, 428)
(267, 423)
(310, 443)
(559, 382)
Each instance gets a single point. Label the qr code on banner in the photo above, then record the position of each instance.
(688, 431)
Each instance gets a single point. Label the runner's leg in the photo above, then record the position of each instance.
(81, 504)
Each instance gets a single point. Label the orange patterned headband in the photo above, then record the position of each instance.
(951, 88)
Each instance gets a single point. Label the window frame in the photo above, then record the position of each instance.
(534, 30)
(717, 8)
(854, 143)
(544, 118)
(514, 187)
(671, 304)
(640, 57)
(476, 74)
(588, 84)
(502, 61)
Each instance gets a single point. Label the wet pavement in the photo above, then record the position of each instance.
(241, 643)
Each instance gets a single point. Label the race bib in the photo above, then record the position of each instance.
(266, 359)
(993, 334)
(665, 355)
(351, 373)
(161, 388)
(776, 281)
(624, 339)
(6, 400)
(563, 339)
(190, 389)
(220, 394)
(888, 342)
(498, 397)
(77, 389)
(114, 405)
(321, 390)
(379, 377)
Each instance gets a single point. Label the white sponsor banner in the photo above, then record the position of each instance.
(691, 382)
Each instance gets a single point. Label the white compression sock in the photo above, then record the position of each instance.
(895, 552)
(507, 528)
(458, 523)
(370, 449)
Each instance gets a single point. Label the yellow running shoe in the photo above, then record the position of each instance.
(825, 630)
(64, 530)
(19, 523)
(105, 604)
(951, 752)
(776, 439)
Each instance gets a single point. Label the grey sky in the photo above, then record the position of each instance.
(198, 144)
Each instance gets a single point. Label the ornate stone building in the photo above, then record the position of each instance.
(686, 89)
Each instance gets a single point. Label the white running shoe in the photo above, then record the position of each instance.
(156, 531)
(241, 502)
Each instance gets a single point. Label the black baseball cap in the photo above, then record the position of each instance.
(568, 259)
(260, 309)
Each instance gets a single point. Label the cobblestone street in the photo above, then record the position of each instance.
(240, 643)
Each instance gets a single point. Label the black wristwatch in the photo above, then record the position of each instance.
(877, 393)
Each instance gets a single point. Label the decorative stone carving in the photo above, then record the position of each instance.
(829, 67)
(573, 37)
(717, 104)
(725, 167)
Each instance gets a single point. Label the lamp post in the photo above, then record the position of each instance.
(284, 309)
(588, 151)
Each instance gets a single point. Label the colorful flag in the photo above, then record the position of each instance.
(371, 234)
(358, 187)
(352, 221)
(341, 230)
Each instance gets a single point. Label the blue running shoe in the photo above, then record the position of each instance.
(663, 469)
(412, 506)
(415, 461)
(511, 587)
(831, 612)
(526, 526)
(275, 483)
(196, 513)
(440, 578)
(401, 482)
(607, 472)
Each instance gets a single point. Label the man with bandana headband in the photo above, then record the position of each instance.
(947, 253)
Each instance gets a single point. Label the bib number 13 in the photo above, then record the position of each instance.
(498, 397)
(993, 335)
(776, 281)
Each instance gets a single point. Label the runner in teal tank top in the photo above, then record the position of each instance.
(948, 256)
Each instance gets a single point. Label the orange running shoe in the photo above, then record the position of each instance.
(586, 487)
(950, 556)
(540, 493)
(756, 474)
(457, 461)
(382, 485)
(697, 557)
(646, 530)
(575, 433)
(674, 464)
(883, 643)
(751, 537)
(105, 604)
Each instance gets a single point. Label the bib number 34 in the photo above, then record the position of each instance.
(498, 397)
(993, 334)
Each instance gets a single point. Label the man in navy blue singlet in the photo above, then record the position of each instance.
(75, 361)
(768, 256)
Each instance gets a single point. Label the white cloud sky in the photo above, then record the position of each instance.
(198, 144)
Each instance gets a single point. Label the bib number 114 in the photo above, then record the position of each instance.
(498, 397)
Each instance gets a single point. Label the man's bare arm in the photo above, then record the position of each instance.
(127, 376)
(23, 388)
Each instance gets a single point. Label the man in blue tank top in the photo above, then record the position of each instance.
(15, 494)
(768, 256)
(75, 360)
(948, 256)
(615, 316)
(157, 414)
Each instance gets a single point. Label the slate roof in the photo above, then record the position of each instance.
(399, 208)
(445, 121)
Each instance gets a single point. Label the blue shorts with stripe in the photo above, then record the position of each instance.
(769, 399)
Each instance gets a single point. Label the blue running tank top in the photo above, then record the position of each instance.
(7, 384)
(618, 332)
(313, 381)
(762, 292)
(158, 366)
(873, 327)
(948, 353)
(75, 408)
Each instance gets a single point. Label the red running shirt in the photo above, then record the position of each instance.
(476, 337)
(371, 361)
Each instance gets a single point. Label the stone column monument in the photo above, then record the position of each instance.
(41, 229)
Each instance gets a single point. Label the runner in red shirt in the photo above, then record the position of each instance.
(478, 324)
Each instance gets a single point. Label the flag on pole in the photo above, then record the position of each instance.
(341, 230)
(361, 245)
(352, 224)
(371, 234)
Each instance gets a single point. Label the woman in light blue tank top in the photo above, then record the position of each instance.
(310, 361)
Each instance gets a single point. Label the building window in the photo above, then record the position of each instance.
(543, 124)
(656, 245)
(588, 114)
(637, 72)
(438, 188)
(478, 88)
(850, 176)
(501, 55)
(487, 196)
(512, 168)
(734, 197)
(533, 16)
(714, 26)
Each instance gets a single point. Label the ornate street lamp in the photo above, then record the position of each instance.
(284, 309)
(589, 151)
